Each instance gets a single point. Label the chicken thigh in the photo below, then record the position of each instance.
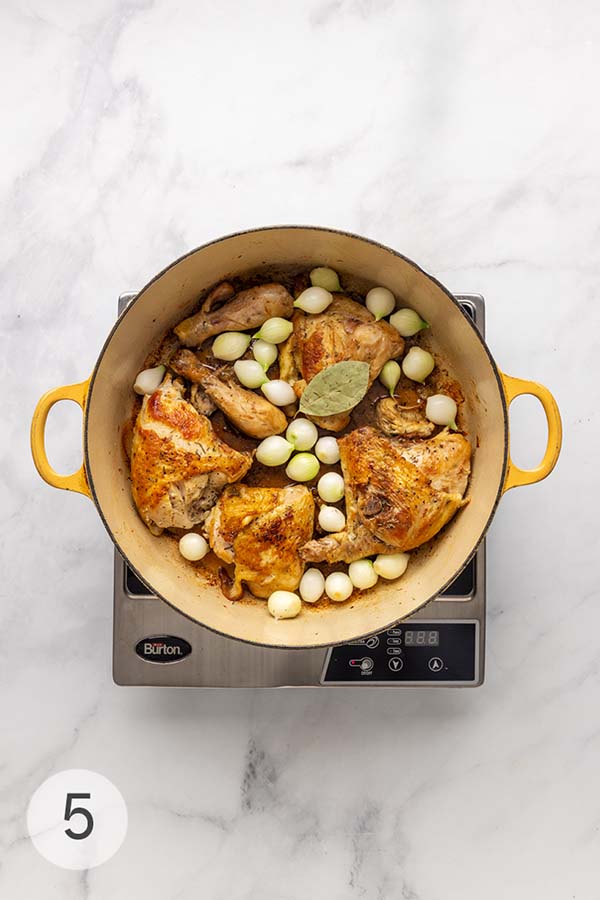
(260, 530)
(249, 412)
(248, 309)
(346, 330)
(178, 464)
(398, 494)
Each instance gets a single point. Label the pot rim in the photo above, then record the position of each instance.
(259, 230)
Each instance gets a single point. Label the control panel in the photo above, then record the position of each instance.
(417, 652)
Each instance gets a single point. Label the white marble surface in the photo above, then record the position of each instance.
(465, 134)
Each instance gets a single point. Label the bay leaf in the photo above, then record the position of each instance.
(336, 389)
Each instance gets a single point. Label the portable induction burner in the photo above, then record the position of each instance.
(441, 645)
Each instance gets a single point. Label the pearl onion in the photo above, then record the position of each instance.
(312, 585)
(441, 410)
(380, 302)
(418, 364)
(302, 467)
(230, 345)
(302, 434)
(331, 487)
(284, 604)
(275, 330)
(326, 278)
(149, 380)
(362, 574)
(338, 586)
(264, 353)
(327, 450)
(250, 373)
(273, 451)
(314, 300)
(279, 392)
(192, 546)
(391, 565)
(331, 519)
(389, 375)
(408, 322)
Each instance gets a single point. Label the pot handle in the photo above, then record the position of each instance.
(78, 480)
(514, 387)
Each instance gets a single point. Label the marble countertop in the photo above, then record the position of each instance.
(465, 135)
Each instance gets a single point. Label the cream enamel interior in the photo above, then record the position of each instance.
(167, 300)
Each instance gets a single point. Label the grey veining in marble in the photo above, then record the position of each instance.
(466, 135)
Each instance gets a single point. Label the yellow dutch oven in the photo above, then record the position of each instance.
(106, 401)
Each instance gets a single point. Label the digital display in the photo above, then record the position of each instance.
(421, 638)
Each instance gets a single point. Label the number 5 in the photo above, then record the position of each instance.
(72, 811)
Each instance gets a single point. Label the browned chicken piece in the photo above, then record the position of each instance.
(444, 459)
(346, 330)
(249, 412)
(394, 418)
(288, 368)
(248, 309)
(260, 530)
(398, 495)
(178, 464)
(201, 401)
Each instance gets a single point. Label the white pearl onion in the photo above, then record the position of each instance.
(192, 546)
(390, 375)
(338, 586)
(230, 345)
(302, 467)
(279, 392)
(302, 434)
(331, 487)
(331, 519)
(312, 585)
(284, 604)
(274, 451)
(250, 373)
(380, 302)
(149, 380)
(407, 322)
(326, 278)
(314, 300)
(418, 364)
(441, 410)
(327, 450)
(362, 574)
(264, 353)
(391, 565)
(275, 330)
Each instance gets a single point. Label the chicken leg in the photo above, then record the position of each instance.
(248, 309)
(249, 412)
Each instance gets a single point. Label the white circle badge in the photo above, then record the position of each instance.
(77, 819)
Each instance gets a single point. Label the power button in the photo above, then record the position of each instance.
(365, 663)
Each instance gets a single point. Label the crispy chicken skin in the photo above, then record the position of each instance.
(260, 530)
(248, 309)
(398, 494)
(394, 418)
(445, 460)
(249, 412)
(178, 464)
(346, 330)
